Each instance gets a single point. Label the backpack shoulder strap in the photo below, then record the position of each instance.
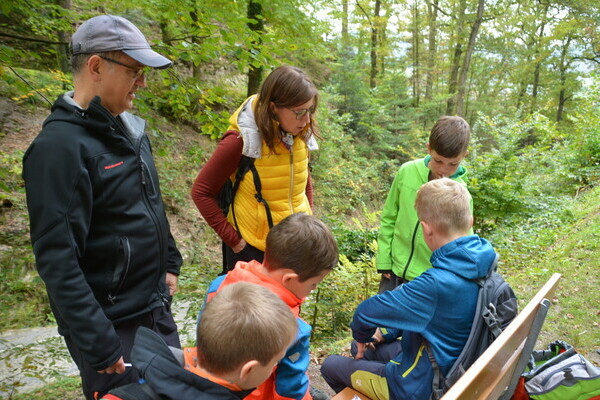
(258, 195)
(247, 164)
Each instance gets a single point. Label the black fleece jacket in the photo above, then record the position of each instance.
(100, 235)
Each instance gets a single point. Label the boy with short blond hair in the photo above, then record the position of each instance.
(402, 254)
(437, 306)
(245, 331)
(300, 252)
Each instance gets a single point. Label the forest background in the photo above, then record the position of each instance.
(523, 73)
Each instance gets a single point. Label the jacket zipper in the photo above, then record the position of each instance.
(291, 190)
(137, 152)
(414, 364)
(122, 272)
(152, 212)
(412, 250)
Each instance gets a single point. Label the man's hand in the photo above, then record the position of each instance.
(118, 368)
(171, 280)
(387, 275)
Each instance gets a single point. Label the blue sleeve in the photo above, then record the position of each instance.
(212, 289)
(389, 334)
(408, 307)
(291, 380)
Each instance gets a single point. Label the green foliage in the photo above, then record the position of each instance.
(65, 388)
(345, 179)
(330, 308)
(572, 250)
(29, 33)
(583, 141)
(30, 86)
(514, 170)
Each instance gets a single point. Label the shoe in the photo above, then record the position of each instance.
(317, 394)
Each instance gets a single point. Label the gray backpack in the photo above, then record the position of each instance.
(496, 308)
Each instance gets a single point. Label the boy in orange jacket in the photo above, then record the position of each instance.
(300, 252)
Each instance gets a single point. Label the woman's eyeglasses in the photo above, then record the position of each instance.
(137, 71)
(301, 113)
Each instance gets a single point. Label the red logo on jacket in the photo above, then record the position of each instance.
(114, 165)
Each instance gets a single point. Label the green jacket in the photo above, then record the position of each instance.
(401, 247)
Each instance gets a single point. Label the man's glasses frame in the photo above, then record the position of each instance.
(137, 71)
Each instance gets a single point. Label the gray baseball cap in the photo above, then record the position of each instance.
(112, 33)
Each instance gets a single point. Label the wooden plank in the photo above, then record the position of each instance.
(349, 394)
(489, 376)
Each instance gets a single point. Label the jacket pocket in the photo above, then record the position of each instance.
(120, 270)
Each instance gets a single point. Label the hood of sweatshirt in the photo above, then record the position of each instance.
(470, 257)
(95, 118)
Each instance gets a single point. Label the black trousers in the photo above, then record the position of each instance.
(95, 385)
(248, 253)
(390, 284)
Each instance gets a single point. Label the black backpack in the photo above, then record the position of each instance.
(229, 189)
(496, 308)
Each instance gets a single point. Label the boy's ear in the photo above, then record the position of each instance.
(427, 229)
(428, 148)
(247, 369)
(289, 276)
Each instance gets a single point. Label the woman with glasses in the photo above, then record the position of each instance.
(270, 136)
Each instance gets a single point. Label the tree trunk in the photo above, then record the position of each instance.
(64, 38)
(460, 98)
(255, 73)
(562, 97)
(453, 80)
(416, 55)
(538, 58)
(432, 54)
(345, 39)
(374, 44)
(196, 71)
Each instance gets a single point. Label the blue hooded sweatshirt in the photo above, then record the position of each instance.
(438, 305)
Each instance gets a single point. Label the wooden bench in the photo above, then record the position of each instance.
(495, 374)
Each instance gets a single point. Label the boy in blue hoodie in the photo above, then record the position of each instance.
(438, 305)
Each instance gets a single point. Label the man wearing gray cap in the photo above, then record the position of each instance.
(100, 236)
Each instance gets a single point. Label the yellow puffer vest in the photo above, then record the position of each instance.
(283, 177)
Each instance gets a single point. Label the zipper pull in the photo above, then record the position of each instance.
(143, 171)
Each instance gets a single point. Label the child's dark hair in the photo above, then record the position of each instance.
(302, 243)
(450, 136)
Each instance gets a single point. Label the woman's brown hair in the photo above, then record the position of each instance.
(288, 87)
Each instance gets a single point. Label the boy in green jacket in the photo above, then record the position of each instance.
(402, 254)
